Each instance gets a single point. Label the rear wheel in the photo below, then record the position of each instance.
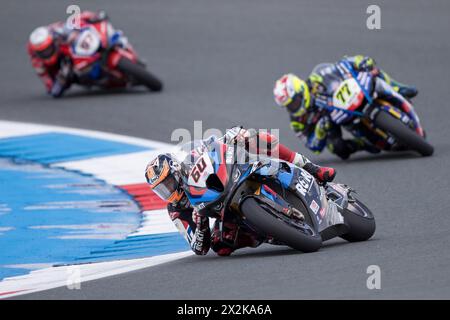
(403, 133)
(139, 73)
(360, 221)
(303, 238)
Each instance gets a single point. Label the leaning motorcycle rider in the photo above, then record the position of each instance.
(49, 59)
(305, 101)
(164, 177)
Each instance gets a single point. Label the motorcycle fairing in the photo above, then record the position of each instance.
(306, 188)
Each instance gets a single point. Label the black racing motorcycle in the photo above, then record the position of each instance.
(277, 201)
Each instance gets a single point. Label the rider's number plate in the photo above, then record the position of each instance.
(87, 43)
(348, 95)
(200, 172)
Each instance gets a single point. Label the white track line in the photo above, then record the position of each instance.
(55, 277)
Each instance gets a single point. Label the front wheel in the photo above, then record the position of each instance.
(403, 133)
(360, 221)
(139, 73)
(268, 223)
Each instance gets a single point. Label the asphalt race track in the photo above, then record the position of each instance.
(218, 60)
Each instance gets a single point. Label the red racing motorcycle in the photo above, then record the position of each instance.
(98, 55)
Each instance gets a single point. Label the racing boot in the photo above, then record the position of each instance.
(359, 144)
(322, 174)
(343, 148)
(408, 92)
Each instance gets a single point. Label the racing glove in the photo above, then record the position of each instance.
(201, 241)
(62, 80)
(57, 90)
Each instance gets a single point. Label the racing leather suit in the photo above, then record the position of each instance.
(316, 127)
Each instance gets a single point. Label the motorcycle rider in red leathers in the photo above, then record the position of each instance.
(48, 57)
(164, 176)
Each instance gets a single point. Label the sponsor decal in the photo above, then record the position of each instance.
(322, 213)
(314, 207)
(200, 206)
(305, 181)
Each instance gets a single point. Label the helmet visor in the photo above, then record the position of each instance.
(166, 188)
(297, 104)
(47, 52)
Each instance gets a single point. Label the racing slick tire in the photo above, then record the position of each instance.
(403, 133)
(139, 73)
(360, 221)
(279, 229)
